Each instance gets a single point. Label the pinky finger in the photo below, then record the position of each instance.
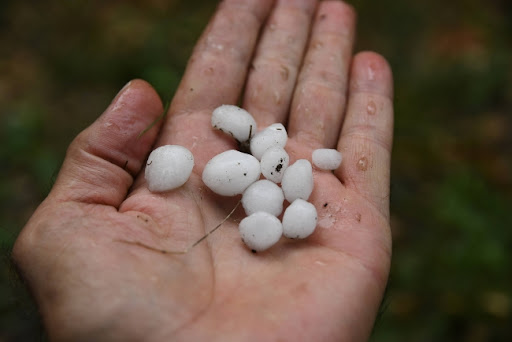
(367, 132)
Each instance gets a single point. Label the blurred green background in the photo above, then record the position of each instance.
(61, 62)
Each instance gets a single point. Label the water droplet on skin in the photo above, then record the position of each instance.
(371, 72)
(209, 71)
(277, 97)
(285, 73)
(318, 45)
(308, 65)
(371, 108)
(326, 222)
(194, 141)
(362, 164)
(272, 27)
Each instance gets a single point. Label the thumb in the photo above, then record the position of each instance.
(103, 160)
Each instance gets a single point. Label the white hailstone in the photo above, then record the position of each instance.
(298, 180)
(231, 172)
(326, 158)
(260, 231)
(299, 219)
(273, 163)
(273, 136)
(234, 121)
(263, 195)
(168, 167)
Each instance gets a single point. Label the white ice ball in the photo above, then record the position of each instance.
(260, 231)
(274, 162)
(298, 180)
(326, 158)
(231, 172)
(168, 167)
(234, 121)
(299, 219)
(263, 195)
(273, 136)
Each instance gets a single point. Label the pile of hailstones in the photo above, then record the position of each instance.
(232, 173)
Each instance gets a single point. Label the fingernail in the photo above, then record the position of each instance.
(114, 103)
(124, 88)
(371, 72)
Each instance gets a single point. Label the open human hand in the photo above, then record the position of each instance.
(85, 250)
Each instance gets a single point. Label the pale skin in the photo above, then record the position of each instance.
(91, 253)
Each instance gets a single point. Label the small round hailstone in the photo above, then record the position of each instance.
(231, 172)
(260, 231)
(234, 121)
(299, 220)
(273, 136)
(168, 167)
(298, 180)
(326, 158)
(263, 195)
(273, 163)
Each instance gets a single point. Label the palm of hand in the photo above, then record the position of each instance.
(108, 275)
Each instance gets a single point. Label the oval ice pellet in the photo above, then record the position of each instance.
(326, 158)
(168, 167)
(260, 231)
(263, 195)
(299, 219)
(274, 162)
(273, 136)
(234, 121)
(231, 172)
(298, 180)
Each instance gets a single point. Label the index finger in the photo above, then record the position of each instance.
(217, 69)
(215, 75)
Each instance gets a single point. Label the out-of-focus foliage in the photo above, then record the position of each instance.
(62, 61)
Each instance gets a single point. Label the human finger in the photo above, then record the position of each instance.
(277, 59)
(367, 133)
(102, 161)
(217, 69)
(319, 98)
